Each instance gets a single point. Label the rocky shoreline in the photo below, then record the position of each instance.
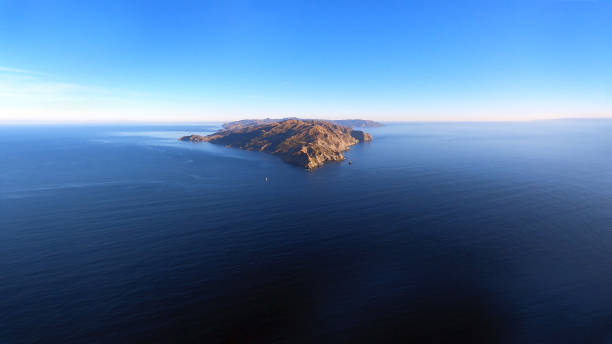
(305, 143)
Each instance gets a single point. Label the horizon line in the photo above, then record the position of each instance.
(168, 122)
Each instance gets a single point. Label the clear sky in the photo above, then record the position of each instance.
(386, 60)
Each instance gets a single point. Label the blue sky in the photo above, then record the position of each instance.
(386, 60)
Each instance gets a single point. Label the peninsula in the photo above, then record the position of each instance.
(306, 143)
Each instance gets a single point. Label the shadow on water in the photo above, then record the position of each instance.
(334, 294)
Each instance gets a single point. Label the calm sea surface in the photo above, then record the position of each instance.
(475, 232)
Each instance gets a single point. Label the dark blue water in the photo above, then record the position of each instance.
(437, 233)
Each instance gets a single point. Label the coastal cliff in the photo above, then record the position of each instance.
(306, 143)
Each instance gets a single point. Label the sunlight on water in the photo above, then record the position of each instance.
(170, 135)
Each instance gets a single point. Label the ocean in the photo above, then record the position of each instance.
(437, 232)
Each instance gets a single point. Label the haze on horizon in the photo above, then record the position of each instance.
(380, 60)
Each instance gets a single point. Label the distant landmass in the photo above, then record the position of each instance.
(351, 123)
(306, 143)
(358, 123)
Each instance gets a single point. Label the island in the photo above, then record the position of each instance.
(305, 143)
(352, 123)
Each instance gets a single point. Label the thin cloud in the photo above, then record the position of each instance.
(25, 96)
(16, 70)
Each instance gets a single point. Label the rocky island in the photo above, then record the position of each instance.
(306, 143)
